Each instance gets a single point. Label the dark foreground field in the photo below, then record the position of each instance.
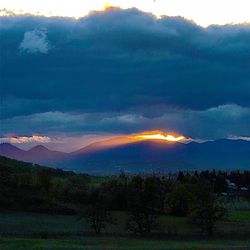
(35, 231)
(109, 243)
(45, 208)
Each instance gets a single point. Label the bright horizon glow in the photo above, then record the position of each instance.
(204, 13)
(167, 137)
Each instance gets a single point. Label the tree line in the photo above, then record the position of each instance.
(196, 196)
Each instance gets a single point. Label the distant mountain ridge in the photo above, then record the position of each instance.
(38, 154)
(140, 156)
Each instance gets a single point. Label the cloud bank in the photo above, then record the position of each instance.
(124, 71)
(214, 123)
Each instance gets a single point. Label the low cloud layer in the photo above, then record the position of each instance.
(26, 139)
(123, 71)
(214, 123)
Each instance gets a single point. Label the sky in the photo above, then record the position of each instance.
(203, 12)
(66, 82)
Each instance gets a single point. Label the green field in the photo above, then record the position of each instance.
(20, 230)
(34, 224)
(111, 243)
(239, 216)
(15, 223)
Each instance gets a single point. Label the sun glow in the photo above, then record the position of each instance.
(202, 12)
(107, 6)
(161, 136)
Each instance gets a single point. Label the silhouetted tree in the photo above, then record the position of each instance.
(180, 177)
(5, 176)
(96, 212)
(207, 209)
(220, 184)
(116, 193)
(143, 203)
(177, 202)
(76, 189)
(45, 179)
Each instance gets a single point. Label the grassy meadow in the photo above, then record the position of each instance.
(47, 225)
(113, 243)
(24, 230)
(40, 208)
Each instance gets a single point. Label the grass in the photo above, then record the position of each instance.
(16, 223)
(239, 216)
(111, 243)
(20, 230)
(19, 224)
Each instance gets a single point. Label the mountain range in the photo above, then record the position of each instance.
(143, 156)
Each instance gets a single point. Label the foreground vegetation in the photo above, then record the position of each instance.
(37, 225)
(44, 208)
(109, 243)
(67, 232)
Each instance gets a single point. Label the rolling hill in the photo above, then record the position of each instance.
(140, 156)
(38, 154)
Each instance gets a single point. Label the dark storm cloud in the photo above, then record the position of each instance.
(213, 123)
(124, 63)
(120, 59)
